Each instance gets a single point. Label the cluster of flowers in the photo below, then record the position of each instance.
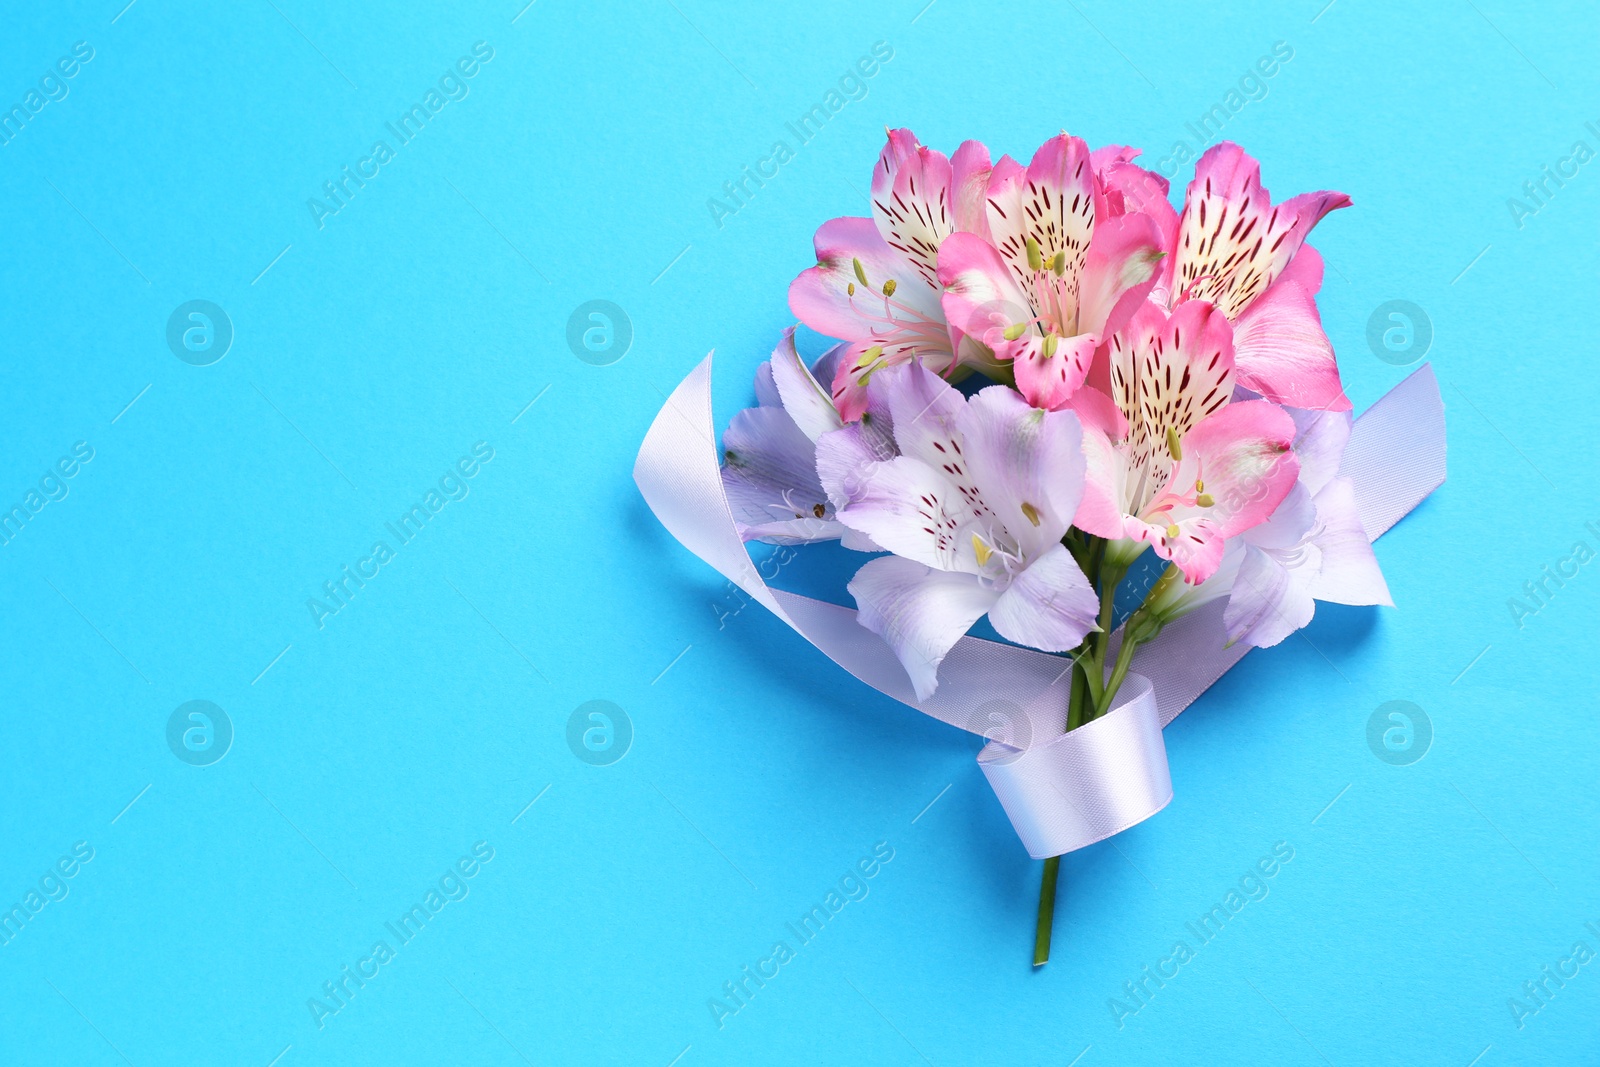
(1161, 382)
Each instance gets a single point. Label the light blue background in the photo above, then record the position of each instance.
(424, 717)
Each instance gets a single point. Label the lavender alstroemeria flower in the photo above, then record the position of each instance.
(1313, 548)
(769, 454)
(972, 497)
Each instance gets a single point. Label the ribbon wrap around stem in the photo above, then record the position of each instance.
(1061, 790)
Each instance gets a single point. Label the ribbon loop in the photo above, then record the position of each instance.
(1086, 785)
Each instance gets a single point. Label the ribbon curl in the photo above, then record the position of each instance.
(1061, 790)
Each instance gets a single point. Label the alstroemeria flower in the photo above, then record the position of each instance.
(1237, 250)
(875, 284)
(1053, 279)
(974, 508)
(769, 468)
(1191, 469)
(1312, 548)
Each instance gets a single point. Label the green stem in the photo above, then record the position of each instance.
(1047, 912)
(1111, 575)
(1118, 673)
(1083, 693)
(1077, 688)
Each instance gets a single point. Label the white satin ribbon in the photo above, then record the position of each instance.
(1061, 790)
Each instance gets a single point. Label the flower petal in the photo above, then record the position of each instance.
(1028, 465)
(1051, 202)
(911, 201)
(769, 475)
(766, 389)
(1168, 373)
(1048, 606)
(830, 298)
(926, 412)
(805, 531)
(981, 297)
(1098, 411)
(921, 613)
(969, 187)
(1289, 525)
(1123, 187)
(845, 456)
(1350, 573)
(1050, 381)
(1268, 601)
(806, 401)
(1197, 550)
(1282, 352)
(1101, 511)
(912, 510)
(1232, 242)
(1245, 457)
(1319, 440)
(1119, 272)
(827, 364)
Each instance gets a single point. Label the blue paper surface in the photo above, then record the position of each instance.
(379, 326)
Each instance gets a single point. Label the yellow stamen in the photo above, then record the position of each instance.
(861, 274)
(889, 287)
(983, 551)
(1173, 445)
(1031, 512)
(851, 289)
(866, 364)
(1035, 260)
(1059, 264)
(1050, 342)
(1015, 330)
(1204, 500)
(1172, 531)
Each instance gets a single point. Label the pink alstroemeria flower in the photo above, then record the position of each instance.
(1237, 250)
(875, 284)
(769, 468)
(1053, 279)
(1190, 469)
(973, 508)
(1314, 546)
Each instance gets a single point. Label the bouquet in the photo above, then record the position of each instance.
(1046, 376)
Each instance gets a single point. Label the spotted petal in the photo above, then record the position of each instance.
(831, 298)
(911, 201)
(1052, 202)
(1168, 373)
(915, 511)
(1242, 455)
(1050, 369)
(1028, 463)
(1232, 242)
